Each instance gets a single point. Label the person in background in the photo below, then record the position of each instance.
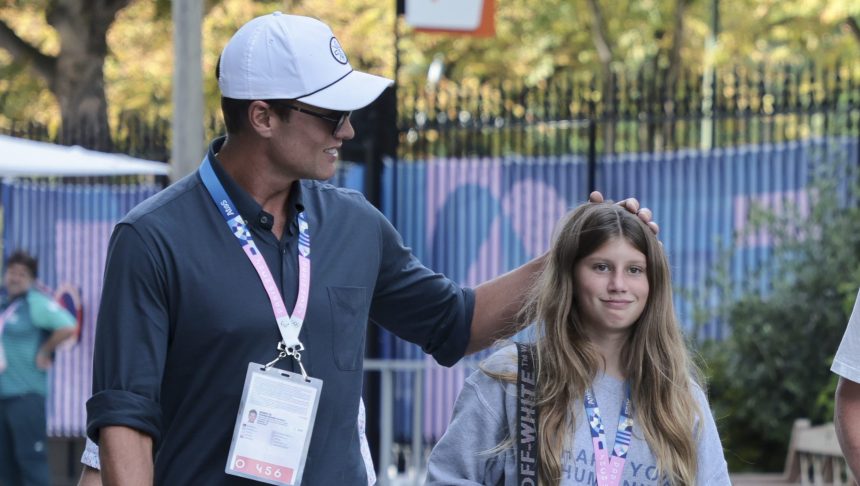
(618, 401)
(32, 325)
(846, 418)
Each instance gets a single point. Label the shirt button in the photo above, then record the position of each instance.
(264, 219)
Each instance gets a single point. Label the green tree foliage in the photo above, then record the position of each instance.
(538, 38)
(141, 68)
(789, 31)
(774, 368)
(67, 57)
(534, 39)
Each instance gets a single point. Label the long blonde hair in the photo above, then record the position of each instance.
(654, 358)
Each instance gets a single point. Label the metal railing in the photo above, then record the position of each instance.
(814, 456)
(417, 450)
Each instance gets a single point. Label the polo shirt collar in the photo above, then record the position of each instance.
(247, 206)
(6, 300)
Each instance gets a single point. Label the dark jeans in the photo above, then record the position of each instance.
(23, 441)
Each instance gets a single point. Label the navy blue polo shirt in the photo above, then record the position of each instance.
(183, 312)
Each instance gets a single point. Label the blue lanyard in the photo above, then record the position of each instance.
(288, 325)
(609, 468)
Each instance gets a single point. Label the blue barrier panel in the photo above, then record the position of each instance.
(67, 228)
(473, 219)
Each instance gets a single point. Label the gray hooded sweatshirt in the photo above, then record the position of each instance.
(485, 415)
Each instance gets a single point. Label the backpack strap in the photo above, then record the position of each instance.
(527, 418)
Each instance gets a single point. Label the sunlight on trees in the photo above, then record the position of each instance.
(535, 39)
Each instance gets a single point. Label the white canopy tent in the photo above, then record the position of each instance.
(26, 158)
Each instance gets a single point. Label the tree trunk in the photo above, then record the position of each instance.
(78, 83)
(671, 74)
(851, 22)
(76, 75)
(79, 89)
(674, 66)
(600, 34)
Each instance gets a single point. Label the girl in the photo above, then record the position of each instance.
(617, 398)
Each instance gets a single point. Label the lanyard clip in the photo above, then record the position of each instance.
(294, 351)
(280, 356)
(291, 350)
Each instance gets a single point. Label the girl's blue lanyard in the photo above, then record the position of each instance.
(289, 326)
(609, 468)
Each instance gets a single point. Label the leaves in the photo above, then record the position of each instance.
(535, 39)
(774, 367)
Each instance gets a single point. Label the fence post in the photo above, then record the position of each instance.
(417, 416)
(387, 434)
(592, 153)
(188, 143)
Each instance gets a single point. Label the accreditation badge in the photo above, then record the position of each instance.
(273, 429)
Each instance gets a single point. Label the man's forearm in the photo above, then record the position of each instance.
(44, 356)
(847, 421)
(90, 477)
(125, 455)
(56, 338)
(497, 303)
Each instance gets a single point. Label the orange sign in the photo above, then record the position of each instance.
(464, 17)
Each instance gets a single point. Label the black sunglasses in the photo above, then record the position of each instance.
(338, 118)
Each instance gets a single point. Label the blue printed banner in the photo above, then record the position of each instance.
(473, 219)
(67, 227)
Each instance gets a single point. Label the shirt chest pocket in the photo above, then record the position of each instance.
(349, 309)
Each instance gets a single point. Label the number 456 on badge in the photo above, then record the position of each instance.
(274, 425)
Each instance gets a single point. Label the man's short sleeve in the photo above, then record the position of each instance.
(418, 304)
(131, 339)
(47, 314)
(847, 361)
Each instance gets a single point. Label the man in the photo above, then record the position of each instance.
(184, 310)
(32, 325)
(846, 364)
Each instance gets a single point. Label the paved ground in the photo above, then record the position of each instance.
(758, 480)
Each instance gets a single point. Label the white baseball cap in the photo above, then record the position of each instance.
(280, 56)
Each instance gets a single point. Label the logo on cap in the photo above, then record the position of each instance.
(337, 51)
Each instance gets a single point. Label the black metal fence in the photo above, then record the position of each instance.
(641, 112)
(573, 113)
(135, 135)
